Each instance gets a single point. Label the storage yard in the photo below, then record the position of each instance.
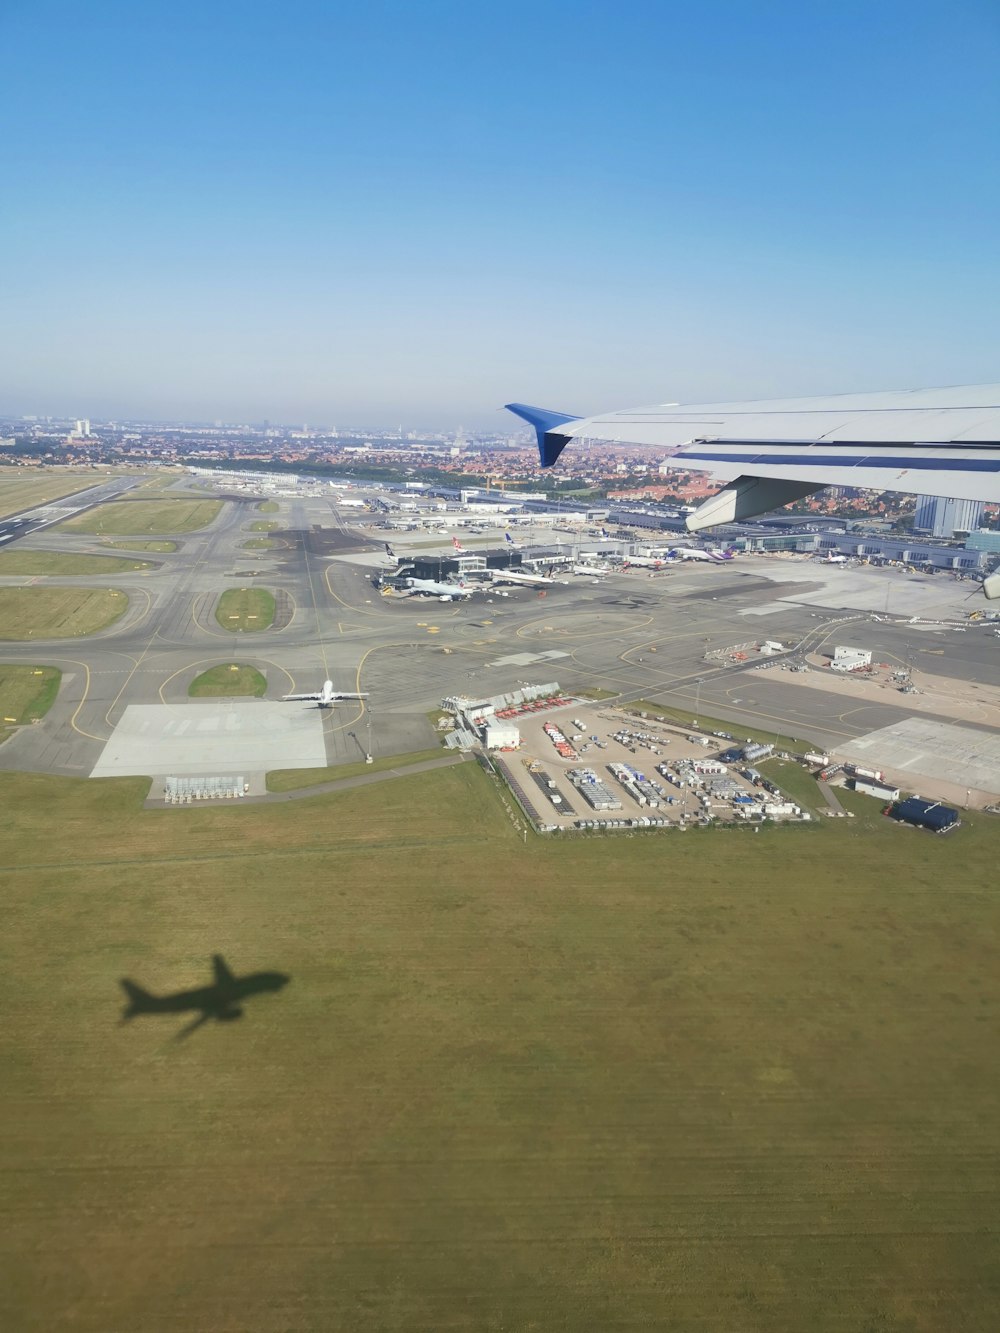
(582, 768)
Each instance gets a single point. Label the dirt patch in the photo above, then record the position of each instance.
(284, 609)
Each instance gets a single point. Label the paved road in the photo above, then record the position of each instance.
(641, 635)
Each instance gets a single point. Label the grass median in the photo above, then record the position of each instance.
(56, 613)
(23, 488)
(17, 561)
(26, 694)
(162, 547)
(246, 609)
(228, 681)
(137, 517)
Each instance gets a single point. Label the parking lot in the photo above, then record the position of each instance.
(586, 767)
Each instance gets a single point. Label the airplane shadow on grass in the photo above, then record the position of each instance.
(220, 1001)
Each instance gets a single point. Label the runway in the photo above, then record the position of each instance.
(645, 636)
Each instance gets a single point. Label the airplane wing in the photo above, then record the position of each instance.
(291, 698)
(222, 974)
(943, 442)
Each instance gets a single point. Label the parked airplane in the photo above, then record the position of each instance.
(643, 562)
(327, 696)
(832, 559)
(688, 553)
(530, 580)
(219, 1001)
(447, 592)
(509, 540)
(696, 553)
(942, 442)
(590, 569)
(390, 552)
(457, 545)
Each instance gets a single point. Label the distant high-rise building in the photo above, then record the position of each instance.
(943, 517)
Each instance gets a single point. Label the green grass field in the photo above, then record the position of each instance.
(26, 694)
(256, 544)
(17, 561)
(712, 1081)
(269, 507)
(24, 487)
(162, 547)
(227, 681)
(793, 779)
(57, 613)
(295, 779)
(141, 517)
(263, 525)
(245, 609)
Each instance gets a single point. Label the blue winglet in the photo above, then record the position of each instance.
(550, 442)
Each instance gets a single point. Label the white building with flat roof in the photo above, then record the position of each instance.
(500, 735)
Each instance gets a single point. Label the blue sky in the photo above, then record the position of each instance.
(350, 213)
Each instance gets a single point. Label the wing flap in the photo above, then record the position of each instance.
(745, 498)
(941, 472)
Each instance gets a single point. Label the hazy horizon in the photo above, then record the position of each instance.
(414, 214)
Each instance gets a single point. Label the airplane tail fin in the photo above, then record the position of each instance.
(140, 1001)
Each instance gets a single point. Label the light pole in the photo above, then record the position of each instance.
(368, 755)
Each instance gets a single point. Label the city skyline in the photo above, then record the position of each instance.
(415, 214)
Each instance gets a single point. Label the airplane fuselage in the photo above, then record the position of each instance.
(445, 591)
(210, 999)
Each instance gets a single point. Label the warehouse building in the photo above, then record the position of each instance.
(500, 735)
(925, 814)
(850, 659)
